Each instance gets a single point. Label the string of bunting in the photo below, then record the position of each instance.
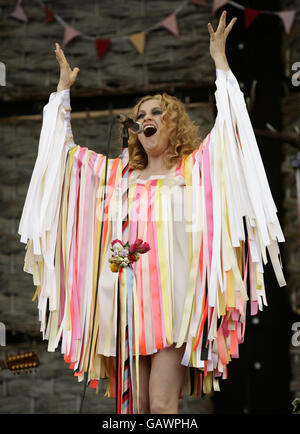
(138, 39)
(251, 14)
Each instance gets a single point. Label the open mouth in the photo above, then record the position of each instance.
(149, 130)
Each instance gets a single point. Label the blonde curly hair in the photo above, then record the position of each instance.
(183, 133)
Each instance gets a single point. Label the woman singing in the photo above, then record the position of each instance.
(204, 208)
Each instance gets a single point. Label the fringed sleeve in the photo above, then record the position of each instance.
(61, 225)
(39, 219)
(234, 224)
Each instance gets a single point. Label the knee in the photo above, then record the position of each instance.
(143, 406)
(163, 405)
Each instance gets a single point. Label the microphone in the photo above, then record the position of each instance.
(135, 127)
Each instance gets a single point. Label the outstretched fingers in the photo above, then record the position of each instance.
(222, 29)
(222, 23)
(59, 54)
(210, 29)
(229, 27)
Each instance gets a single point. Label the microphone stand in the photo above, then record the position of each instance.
(125, 137)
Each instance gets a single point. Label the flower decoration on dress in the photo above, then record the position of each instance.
(125, 254)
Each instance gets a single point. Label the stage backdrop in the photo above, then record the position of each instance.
(126, 49)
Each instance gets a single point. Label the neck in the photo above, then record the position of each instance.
(155, 165)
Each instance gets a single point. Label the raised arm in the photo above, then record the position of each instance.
(217, 46)
(67, 75)
(56, 139)
(67, 78)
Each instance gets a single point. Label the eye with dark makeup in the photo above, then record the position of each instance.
(155, 112)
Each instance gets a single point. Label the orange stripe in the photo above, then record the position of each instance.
(233, 341)
(154, 282)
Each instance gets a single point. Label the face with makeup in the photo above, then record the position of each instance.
(155, 137)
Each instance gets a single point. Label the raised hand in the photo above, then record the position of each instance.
(67, 75)
(217, 46)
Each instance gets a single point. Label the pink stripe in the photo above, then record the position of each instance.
(133, 222)
(153, 275)
(62, 287)
(74, 307)
(85, 224)
(153, 223)
(142, 213)
(208, 197)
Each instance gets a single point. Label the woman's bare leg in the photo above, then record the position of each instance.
(144, 376)
(166, 380)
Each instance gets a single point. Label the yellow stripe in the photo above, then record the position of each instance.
(207, 383)
(221, 297)
(36, 293)
(106, 351)
(259, 280)
(136, 338)
(165, 284)
(230, 290)
(188, 167)
(123, 319)
(64, 232)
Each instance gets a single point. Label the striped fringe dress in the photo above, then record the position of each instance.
(209, 223)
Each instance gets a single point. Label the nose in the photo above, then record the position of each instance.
(147, 117)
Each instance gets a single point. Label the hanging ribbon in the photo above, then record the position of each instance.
(124, 391)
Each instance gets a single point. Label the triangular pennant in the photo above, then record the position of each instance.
(102, 46)
(250, 15)
(19, 13)
(2, 74)
(217, 4)
(70, 33)
(138, 40)
(199, 2)
(50, 15)
(287, 19)
(171, 24)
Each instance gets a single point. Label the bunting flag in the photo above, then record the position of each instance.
(2, 74)
(170, 23)
(287, 18)
(50, 15)
(217, 4)
(19, 13)
(200, 3)
(138, 40)
(102, 46)
(70, 33)
(249, 16)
